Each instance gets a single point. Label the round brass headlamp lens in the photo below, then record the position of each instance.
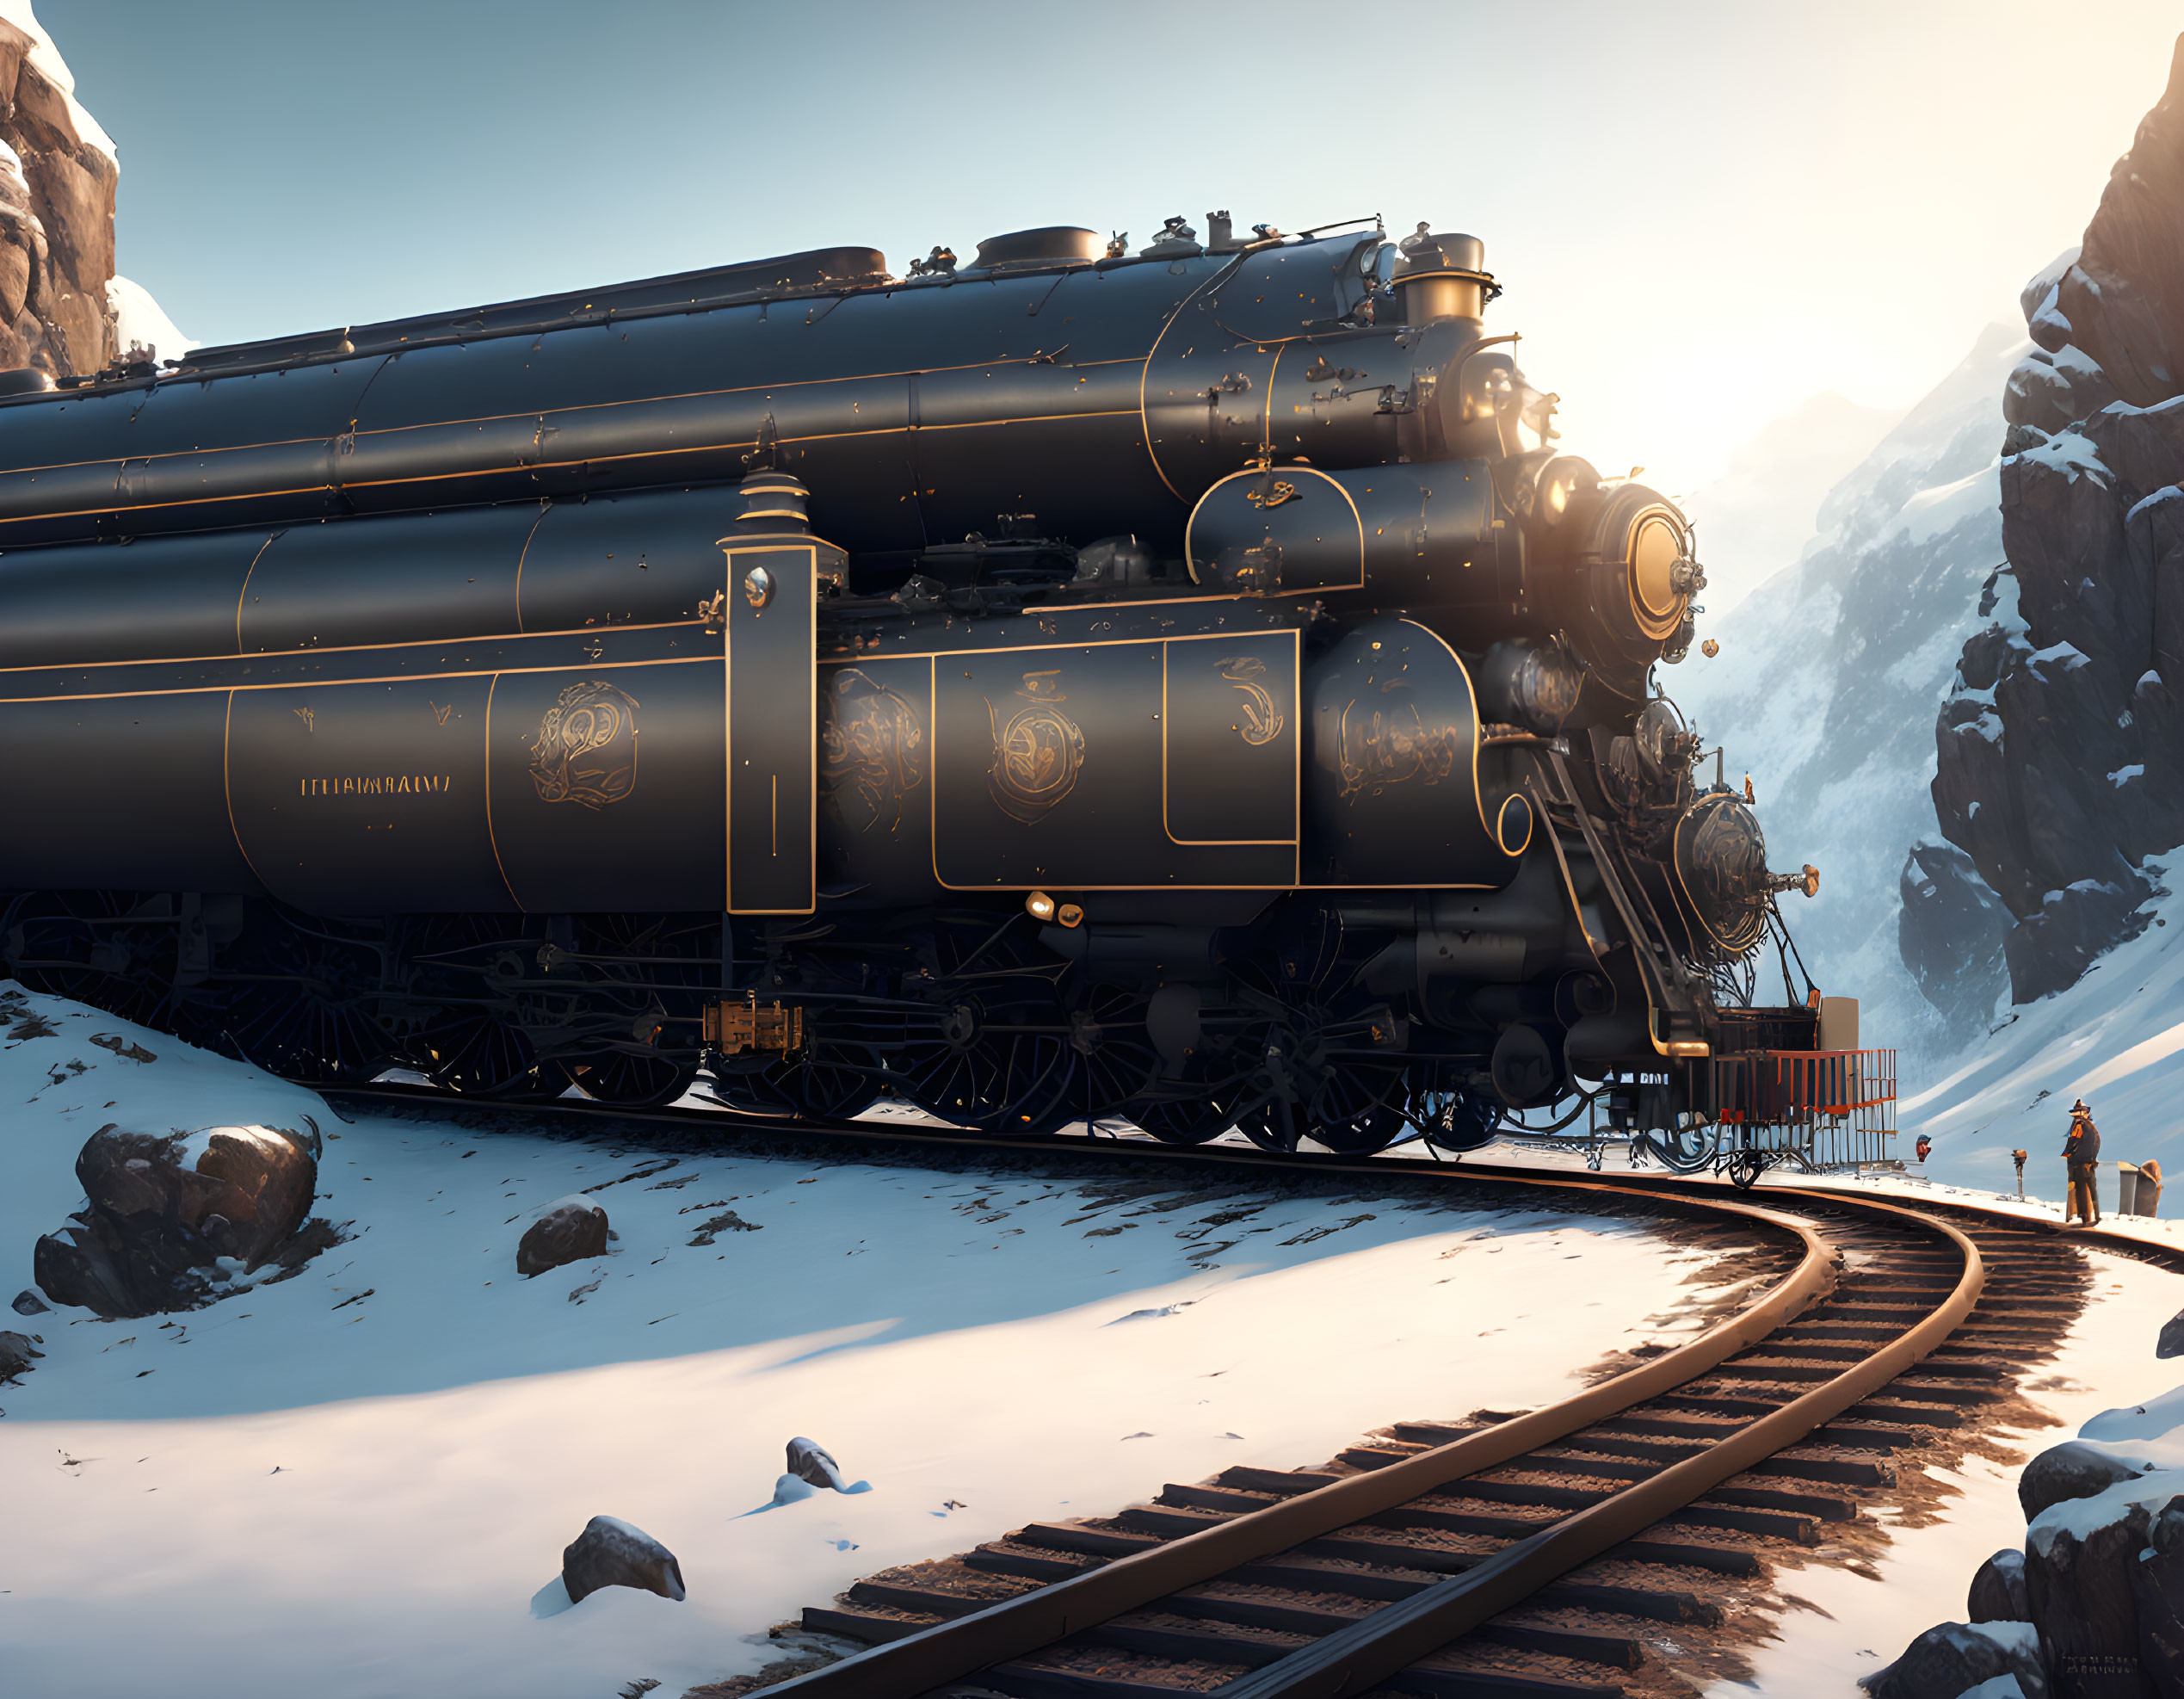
(1655, 547)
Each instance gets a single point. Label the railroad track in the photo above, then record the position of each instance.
(1566, 1553)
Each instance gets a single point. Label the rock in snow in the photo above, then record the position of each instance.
(161, 1210)
(16, 1352)
(2158, 1590)
(809, 1460)
(29, 1303)
(611, 1552)
(1998, 1589)
(569, 1231)
(2171, 1342)
(2074, 1469)
(1954, 1657)
(2081, 1557)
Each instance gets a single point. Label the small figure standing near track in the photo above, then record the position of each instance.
(2081, 1156)
(2018, 1157)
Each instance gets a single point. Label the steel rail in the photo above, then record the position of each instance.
(1372, 1650)
(1364, 1653)
(1219, 1156)
(953, 1650)
(724, 1121)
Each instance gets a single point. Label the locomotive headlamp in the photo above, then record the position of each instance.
(1040, 906)
(758, 586)
(1656, 553)
(1618, 557)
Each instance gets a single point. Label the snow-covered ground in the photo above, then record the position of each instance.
(355, 1482)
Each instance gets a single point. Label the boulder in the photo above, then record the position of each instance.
(1951, 1659)
(2171, 1342)
(2081, 1559)
(17, 1351)
(1998, 1589)
(161, 1209)
(568, 1231)
(2073, 1469)
(809, 1460)
(2158, 1590)
(29, 1303)
(611, 1552)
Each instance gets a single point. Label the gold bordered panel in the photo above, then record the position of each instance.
(366, 799)
(607, 787)
(1047, 770)
(1230, 738)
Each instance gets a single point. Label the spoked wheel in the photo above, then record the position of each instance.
(459, 1043)
(1351, 1109)
(1113, 1058)
(62, 944)
(292, 1000)
(1187, 1121)
(479, 1055)
(1744, 1169)
(633, 965)
(632, 1081)
(1000, 1063)
(811, 1087)
(996, 1054)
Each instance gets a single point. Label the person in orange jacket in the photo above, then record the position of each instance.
(2081, 1156)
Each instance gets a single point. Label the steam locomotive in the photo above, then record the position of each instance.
(1185, 685)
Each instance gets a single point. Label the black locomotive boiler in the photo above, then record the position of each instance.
(1187, 685)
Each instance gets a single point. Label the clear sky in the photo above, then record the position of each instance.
(1702, 213)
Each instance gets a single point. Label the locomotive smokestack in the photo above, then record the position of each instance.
(1443, 277)
(774, 501)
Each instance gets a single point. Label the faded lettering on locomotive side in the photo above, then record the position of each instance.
(377, 784)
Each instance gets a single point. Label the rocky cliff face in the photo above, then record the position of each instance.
(58, 177)
(62, 308)
(2061, 746)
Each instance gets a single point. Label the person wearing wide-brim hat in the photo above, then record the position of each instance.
(2081, 1158)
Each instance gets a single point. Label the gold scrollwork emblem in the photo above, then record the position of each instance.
(1261, 722)
(1271, 492)
(586, 749)
(1380, 746)
(1037, 751)
(872, 751)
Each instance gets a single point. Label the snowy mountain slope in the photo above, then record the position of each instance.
(1757, 516)
(1830, 674)
(2115, 1038)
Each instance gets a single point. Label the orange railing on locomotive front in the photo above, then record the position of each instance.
(1789, 1087)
